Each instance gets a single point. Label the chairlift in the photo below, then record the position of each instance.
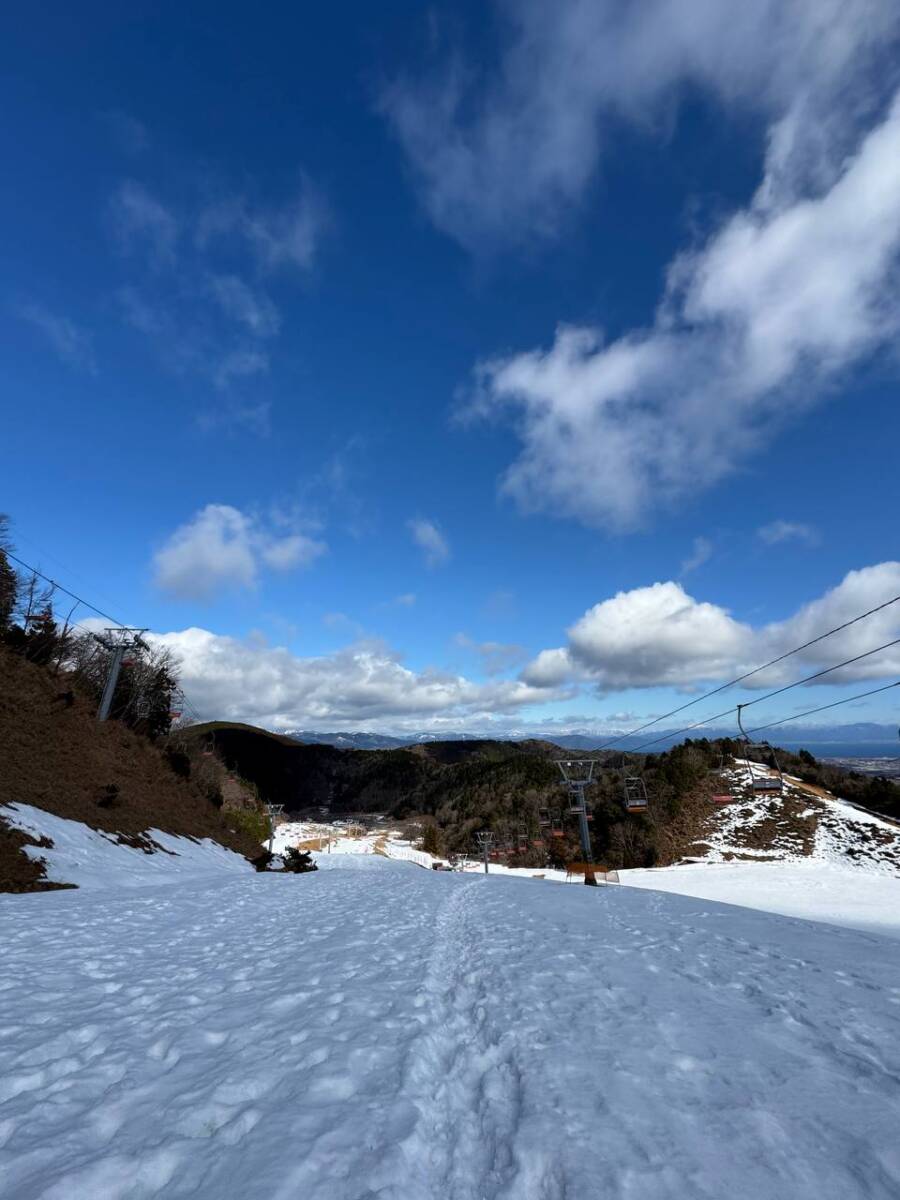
(543, 816)
(556, 827)
(635, 794)
(767, 782)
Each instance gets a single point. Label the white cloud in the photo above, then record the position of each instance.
(550, 669)
(505, 156)
(140, 221)
(405, 599)
(656, 635)
(857, 592)
(660, 636)
(70, 343)
(701, 553)
(430, 541)
(752, 329)
(220, 548)
(787, 531)
(359, 687)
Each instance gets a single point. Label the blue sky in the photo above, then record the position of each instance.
(398, 353)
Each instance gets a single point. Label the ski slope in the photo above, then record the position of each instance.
(856, 897)
(379, 1031)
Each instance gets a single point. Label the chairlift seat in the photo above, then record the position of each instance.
(635, 794)
(767, 783)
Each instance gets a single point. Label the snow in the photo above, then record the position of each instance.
(374, 1030)
(814, 890)
(91, 859)
(391, 844)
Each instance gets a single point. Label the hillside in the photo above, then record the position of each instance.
(55, 756)
(466, 785)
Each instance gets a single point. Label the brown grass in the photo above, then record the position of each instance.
(63, 760)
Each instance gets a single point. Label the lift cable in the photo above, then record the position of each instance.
(822, 707)
(756, 670)
(87, 604)
(768, 696)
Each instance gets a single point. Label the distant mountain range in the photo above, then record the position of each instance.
(866, 735)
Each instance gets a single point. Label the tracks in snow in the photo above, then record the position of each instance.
(462, 1072)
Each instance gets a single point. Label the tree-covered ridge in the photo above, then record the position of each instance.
(458, 788)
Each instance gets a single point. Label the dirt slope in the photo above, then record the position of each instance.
(58, 757)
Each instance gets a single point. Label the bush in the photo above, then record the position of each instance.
(248, 820)
(298, 861)
(431, 840)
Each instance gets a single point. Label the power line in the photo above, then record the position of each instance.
(87, 604)
(768, 696)
(20, 536)
(822, 707)
(54, 583)
(747, 675)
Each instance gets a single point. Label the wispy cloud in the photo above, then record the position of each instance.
(787, 531)
(71, 344)
(246, 305)
(143, 224)
(288, 236)
(701, 553)
(496, 657)
(505, 154)
(203, 320)
(430, 541)
(130, 134)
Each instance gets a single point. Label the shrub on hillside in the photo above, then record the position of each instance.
(247, 820)
(298, 861)
(431, 840)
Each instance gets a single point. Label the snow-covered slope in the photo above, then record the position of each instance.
(802, 822)
(817, 891)
(801, 853)
(90, 858)
(408, 1035)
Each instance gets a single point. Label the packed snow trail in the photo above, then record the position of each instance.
(377, 1031)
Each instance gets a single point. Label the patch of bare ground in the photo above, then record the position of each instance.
(58, 757)
(788, 824)
(685, 834)
(784, 826)
(18, 872)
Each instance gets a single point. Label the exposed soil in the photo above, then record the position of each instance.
(58, 757)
